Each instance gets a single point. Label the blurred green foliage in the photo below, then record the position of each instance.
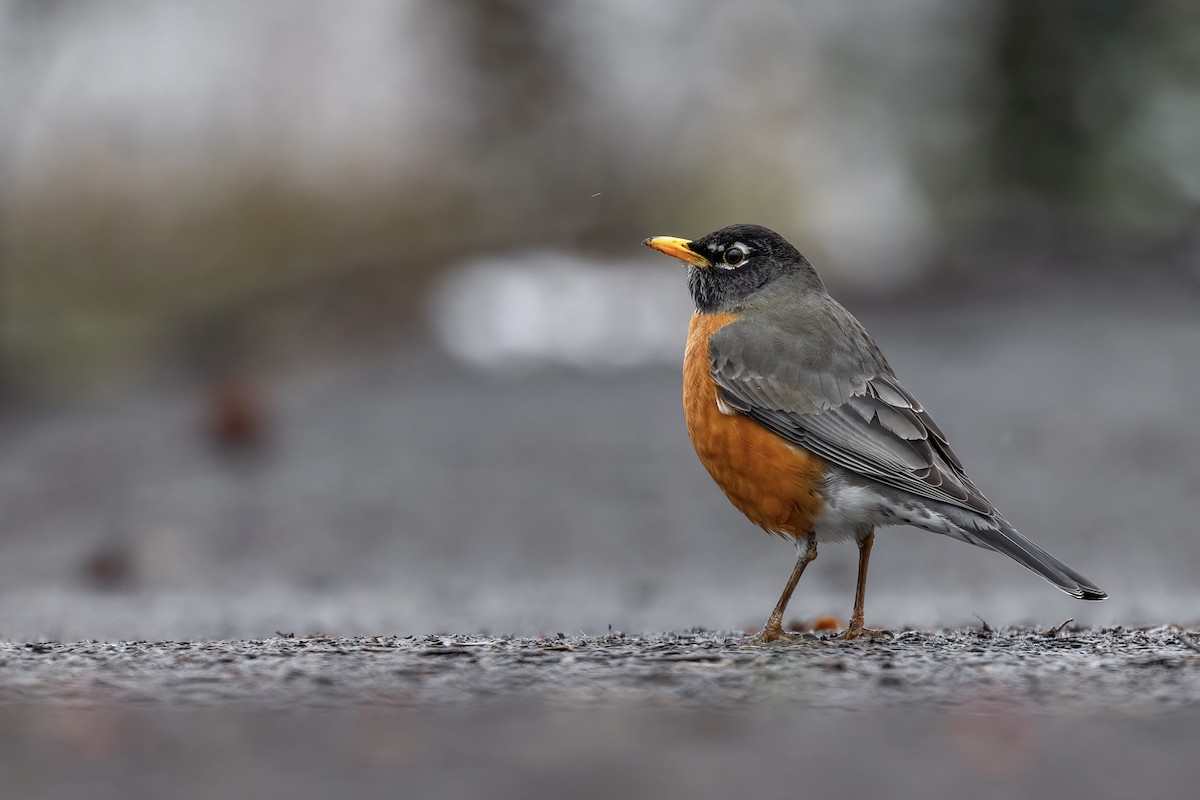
(928, 126)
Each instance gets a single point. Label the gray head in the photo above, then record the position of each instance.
(727, 266)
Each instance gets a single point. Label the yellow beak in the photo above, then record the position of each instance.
(677, 248)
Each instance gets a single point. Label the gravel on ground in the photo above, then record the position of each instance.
(1148, 670)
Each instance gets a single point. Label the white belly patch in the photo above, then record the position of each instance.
(852, 508)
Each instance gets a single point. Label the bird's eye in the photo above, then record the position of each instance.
(734, 256)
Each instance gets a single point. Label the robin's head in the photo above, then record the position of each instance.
(728, 266)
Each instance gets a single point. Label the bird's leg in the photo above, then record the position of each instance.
(773, 630)
(855, 629)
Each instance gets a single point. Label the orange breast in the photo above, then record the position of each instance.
(773, 483)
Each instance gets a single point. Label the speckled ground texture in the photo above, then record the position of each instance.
(1141, 671)
(1016, 712)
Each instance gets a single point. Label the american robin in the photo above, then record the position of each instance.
(800, 420)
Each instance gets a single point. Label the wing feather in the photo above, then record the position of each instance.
(843, 404)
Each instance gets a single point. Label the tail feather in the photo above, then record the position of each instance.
(1010, 542)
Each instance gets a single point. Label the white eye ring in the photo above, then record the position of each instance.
(735, 256)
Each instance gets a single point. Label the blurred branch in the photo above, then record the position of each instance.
(518, 70)
(1047, 59)
(538, 156)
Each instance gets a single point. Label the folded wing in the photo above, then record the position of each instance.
(844, 405)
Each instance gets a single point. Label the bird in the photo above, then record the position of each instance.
(803, 424)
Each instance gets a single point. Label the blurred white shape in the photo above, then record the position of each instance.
(161, 81)
(547, 308)
(1168, 135)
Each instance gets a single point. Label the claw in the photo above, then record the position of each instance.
(771, 634)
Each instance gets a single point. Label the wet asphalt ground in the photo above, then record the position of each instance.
(425, 532)
(1135, 671)
(1030, 713)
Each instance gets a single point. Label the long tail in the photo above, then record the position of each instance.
(1006, 539)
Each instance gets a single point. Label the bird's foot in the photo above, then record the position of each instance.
(772, 633)
(856, 630)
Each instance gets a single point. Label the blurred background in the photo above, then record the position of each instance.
(325, 316)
